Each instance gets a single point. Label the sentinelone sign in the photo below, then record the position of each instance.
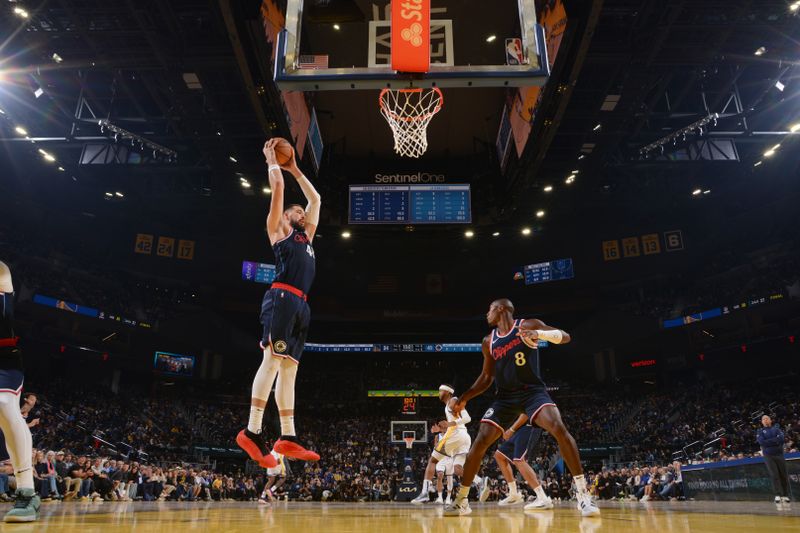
(419, 177)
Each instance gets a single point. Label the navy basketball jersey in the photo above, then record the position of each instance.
(6, 315)
(516, 363)
(294, 261)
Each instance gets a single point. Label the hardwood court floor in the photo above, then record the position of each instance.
(174, 517)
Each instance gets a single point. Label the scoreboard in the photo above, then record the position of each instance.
(258, 272)
(548, 271)
(410, 204)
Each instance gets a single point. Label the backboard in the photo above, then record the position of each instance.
(346, 45)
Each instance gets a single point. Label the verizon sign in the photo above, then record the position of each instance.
(419, 177)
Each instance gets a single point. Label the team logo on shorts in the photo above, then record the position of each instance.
(280, 346)
(489, 413)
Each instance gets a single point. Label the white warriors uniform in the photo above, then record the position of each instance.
(456, 441)
(280, 469)
(445, 465)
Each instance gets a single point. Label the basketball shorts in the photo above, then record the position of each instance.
(508, 406)
(285, 318)
(445, 465)
(455, 444)
(279, 471)
(522, 444)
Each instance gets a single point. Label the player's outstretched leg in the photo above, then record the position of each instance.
(486, 436)
(288, 444)
(19, 445)
(427, 484)
(549, 419)
(514, 497)
(542, 501)
(251, 440)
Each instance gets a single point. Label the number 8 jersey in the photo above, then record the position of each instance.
(516, 362)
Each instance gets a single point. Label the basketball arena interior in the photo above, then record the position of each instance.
(399, 265)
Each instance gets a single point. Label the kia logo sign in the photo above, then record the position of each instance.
(419, 177)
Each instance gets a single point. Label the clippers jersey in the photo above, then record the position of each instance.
(516, 363)
(10, 356)
(295, 264)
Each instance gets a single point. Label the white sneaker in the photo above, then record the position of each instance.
(588, 508)
(484, 492)
(785, 499)
(448, 501)
(540, 504)
(457, 508)
(511, 499)
(645, 498)
(439, 500)
(422, 498)
(777, 499)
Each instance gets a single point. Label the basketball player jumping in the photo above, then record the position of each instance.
(520, 441)
(452, 445)
(17, 436)
(511, 360)
(285, 314)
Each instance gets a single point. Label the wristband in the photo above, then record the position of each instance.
(274, 167)
(555, 336)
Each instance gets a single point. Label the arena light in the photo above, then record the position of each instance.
(21, 130)
(469, 234)
(496, 234)
(61, 169)
(109, 195)
(780, 86)
(337, 27)
(548, 188)
(707, 191)
(2, 112)
(491, 38)
(582, 156)
(576, 172)
(540, 213)
(267, 190)
(769, 153)
(345, 235)
(758, 163)
(233, 159)
(526, 231)
(20, 12)
(794, 7)
(696, 192)
(597, 127)
(57, 58)
(760, 51)
(794, 127)
(246, 184)
(570, 179)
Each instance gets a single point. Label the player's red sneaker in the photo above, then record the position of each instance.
(290, 447)
(256, 448)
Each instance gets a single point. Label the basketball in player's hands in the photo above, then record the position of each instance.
(283, 152)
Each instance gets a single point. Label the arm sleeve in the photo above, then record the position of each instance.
(465, 418)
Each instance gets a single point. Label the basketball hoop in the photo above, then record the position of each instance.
(408, 112)
(409, 442)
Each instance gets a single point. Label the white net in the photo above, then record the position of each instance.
(408, 112)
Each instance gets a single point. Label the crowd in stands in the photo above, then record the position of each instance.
(103, 446)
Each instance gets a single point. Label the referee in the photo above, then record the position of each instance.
(771, 439)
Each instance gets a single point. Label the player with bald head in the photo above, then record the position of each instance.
(511, 361)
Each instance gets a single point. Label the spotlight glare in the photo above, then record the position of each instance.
(526, 231)
(57, 58)
(21, 12)
(696, 192)
(336, 27)
(246, 184)
(760, 51)
(345, 235)
(794, 127)
(491, 38)
(469, 234)
(496, 234)
(119, 194)
(539, 213)
(266, 190)
(769, 153)
(109, 195)
(233, 159)
(706, 191)
(758, 163)
(49, 157)
(21, 130)
(776, 146)
(548, 188)
(597, 127)
(780, 86)
(794, 7)
(61, 169)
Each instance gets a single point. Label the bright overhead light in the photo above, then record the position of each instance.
(581, 156)
(526, 231)
(2, 112)
(491, 38)
(21, 130)
(548, 188)
(61, 169)
(246, 184)
(496, 234)
(758, 163)
(776, 146)
(109, 195)
(794, 7)
(119, 194)
(49, 158)
(57, 58)
(539, 213)
(576, 171)
(232, 159)
(570, 179)
(769, 153)
(21, 12)
(345, 235)
(780, 86)
(794, 127)
(760, 51)
(336, 27)
(706, 191)
(597, 127)
(696, 192)
(469, 234)
(266, 190)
